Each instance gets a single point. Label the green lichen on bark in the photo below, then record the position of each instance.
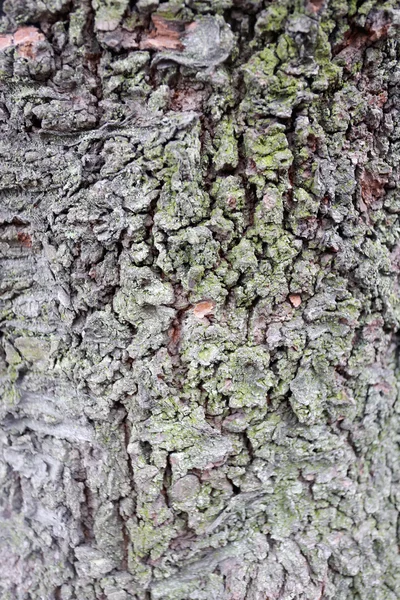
(200, 301)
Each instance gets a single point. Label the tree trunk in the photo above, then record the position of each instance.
(200, 248)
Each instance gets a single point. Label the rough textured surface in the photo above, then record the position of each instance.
(200, 256)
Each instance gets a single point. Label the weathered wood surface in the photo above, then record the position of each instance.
(200, 254)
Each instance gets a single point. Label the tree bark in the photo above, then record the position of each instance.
(200, 254)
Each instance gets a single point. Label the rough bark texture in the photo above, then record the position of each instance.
(200, 254)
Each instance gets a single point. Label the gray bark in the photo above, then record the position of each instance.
(200, 256)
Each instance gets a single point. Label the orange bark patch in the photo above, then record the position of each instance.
(295, 300)
(372, 186)
(203, 309)
(186, 99)
(24, 39)
(378, 27)
(174, 333)
(27, 35)
(6, 40)
(231, 202)
(25, 239)
(378, 100)
(356, 40)
(166, 35)
(349, 50)
(315, 5)
(312, 142)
